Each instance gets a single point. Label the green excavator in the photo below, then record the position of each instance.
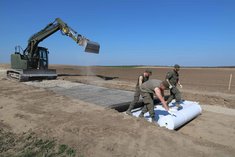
(32, 63)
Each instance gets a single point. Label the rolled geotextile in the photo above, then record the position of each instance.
(181, 117)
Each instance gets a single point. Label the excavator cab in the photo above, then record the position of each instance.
(43, 58)
(40, 60)
(35, 68)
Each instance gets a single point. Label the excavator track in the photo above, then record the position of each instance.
(29, 75)
(16, 75)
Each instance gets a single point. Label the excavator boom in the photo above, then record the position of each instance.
(53, 27)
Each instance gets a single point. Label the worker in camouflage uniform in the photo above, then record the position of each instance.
(141, 79)
(148, 90)
(172, 78)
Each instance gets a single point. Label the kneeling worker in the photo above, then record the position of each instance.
(148, 89)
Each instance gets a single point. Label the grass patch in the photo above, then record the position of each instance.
(29, 145)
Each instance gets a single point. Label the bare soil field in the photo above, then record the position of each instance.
(205, 85)
(37, 122)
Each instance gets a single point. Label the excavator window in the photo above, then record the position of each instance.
(43, 61)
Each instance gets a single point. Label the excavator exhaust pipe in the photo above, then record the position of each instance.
(92, 47)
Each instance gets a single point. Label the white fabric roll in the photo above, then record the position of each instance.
(188, 111)
(181, 117)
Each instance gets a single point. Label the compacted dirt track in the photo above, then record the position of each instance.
(34, 116)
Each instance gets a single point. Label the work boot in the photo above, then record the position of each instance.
(141, 115)
(129, 112)
(154, 120)
(178, 106)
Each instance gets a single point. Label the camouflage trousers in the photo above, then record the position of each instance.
(148, 104)
(174, 94)
(136, 99)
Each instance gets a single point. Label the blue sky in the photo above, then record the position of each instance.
(130, 32)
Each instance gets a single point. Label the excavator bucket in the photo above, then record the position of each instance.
(92, 47)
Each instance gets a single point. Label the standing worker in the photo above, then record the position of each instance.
(172, 78)
(141, 79)
(148, 89)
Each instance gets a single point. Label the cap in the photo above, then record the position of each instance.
(148, 71)
(176, 66)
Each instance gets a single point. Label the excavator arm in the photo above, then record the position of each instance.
(53, 27)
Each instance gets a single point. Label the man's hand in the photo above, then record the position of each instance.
(171, 112)
(181, 86)
(170, 86)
